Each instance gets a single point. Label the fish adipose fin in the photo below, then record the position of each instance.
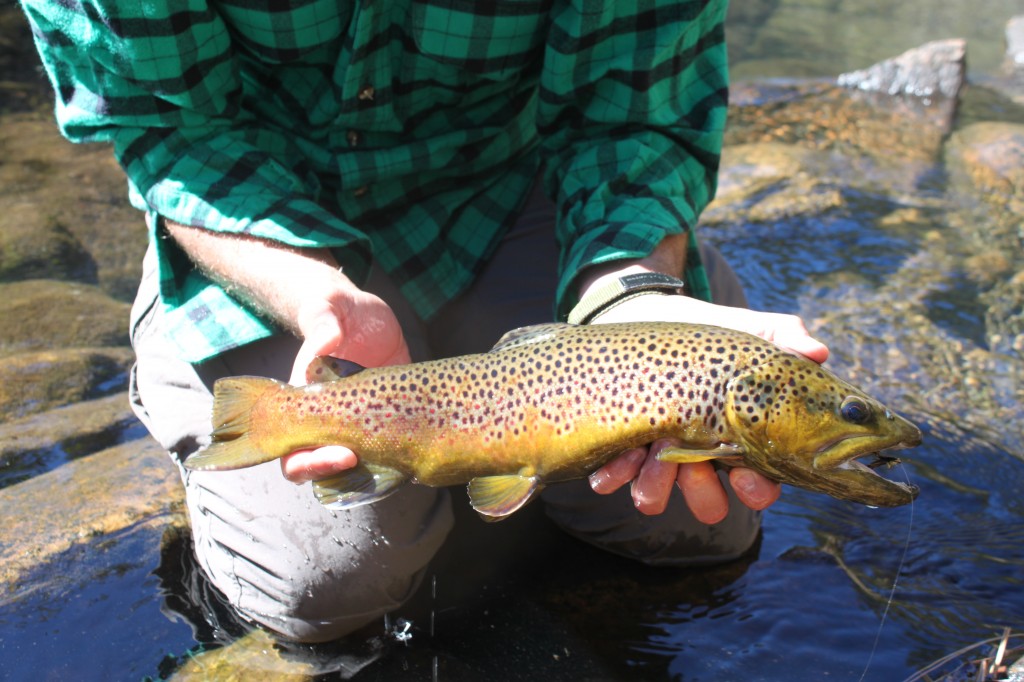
(233, 400)
(362, 484)
(726, 453)
(495, 497)
(523, 336)
(327, 368)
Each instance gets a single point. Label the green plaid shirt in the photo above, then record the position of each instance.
(406, 132)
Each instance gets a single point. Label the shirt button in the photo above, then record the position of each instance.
(361, 191)
(366, 93)
(353, 138)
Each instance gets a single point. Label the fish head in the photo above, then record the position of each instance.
(805, 426)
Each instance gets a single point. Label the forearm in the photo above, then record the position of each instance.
(270, 277)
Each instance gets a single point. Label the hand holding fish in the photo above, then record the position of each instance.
(363, 329)
(652, 479)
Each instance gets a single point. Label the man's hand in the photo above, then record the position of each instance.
(361, 328)
(652, 480)
(304, 291)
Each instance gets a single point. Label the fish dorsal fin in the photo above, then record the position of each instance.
(726, 453)
(523, 336)
(362, 484)
(328, 368)
(495, 497)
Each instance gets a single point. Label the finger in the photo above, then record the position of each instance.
(618, 472)
(309, 465)
(703, 492)
(753, 489)
(653, 485)
(324, 338)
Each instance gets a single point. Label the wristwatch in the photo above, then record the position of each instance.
(622, 289)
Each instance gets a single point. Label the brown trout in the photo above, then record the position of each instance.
(555, 402)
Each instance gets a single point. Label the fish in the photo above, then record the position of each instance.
(554, 402)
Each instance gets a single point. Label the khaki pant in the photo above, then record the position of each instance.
(313, 575)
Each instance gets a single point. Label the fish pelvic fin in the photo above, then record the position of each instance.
(726, 453)
(328, 368)
(231, 446)
(362, 484)
(495, 497)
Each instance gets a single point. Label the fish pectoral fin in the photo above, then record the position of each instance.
(523, 336)
(495, 497)
(723, 452)
(362, 484)
(329, 368)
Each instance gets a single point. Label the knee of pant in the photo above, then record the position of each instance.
(325, 609)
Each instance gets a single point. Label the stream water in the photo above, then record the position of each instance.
(904, 281)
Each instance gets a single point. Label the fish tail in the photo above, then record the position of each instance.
(232, 446)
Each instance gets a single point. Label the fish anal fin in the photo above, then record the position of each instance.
(362, 484)
(495, 497)
(726, 453)
(328, 368)
(523, 336)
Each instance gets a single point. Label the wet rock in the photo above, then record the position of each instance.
(770, 182)
(35, 381)
(69, 192)
(935, 69)
(41, 442)
(988, 157)
(888, 130)
(22, 83)
(48, 516)
(40, 314)
(33, 246)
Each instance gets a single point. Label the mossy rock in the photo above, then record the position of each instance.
(987, 159)
(40, 314)
(35, 381)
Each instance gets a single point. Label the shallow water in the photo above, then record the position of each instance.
(905, 314)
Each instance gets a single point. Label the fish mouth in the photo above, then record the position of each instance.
(853, 463)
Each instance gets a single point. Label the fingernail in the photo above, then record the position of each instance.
(745, 482)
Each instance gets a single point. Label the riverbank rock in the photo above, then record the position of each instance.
(935, 69)
(41, 314)
(41, 442)
(33, 246)
(76, 193)
(51, 518)
(35, 381)
(989, 158)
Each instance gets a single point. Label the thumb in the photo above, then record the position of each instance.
(325, 336)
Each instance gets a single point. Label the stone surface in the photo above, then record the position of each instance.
(936, 69)
(97, 495)
(41, 314)
(990, 157)
(35, 381)
(73, 191)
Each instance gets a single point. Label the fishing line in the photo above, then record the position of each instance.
(895, 581)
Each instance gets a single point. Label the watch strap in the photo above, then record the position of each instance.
(621, 289)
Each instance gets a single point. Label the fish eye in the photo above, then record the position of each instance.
(855, 410)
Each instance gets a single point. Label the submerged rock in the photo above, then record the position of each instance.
(935, 69)
(989, 158)
(48, 516)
